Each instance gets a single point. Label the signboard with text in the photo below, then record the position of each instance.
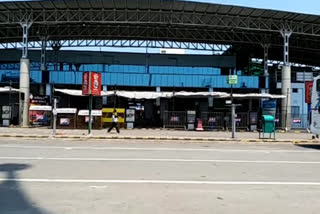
(39, 100)
(91, 83)
(232, 79)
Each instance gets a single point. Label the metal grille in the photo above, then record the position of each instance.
(174, 119)
(212, 120)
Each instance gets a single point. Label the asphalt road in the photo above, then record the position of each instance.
(56, 176)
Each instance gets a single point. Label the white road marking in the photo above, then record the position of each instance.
(161, 149)
(98, 187)
(160, 160)
(48, 180)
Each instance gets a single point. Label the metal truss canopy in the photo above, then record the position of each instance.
(121, 43)
(157, 20)
(157, 12)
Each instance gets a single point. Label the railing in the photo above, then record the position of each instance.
(213, 120)
(174, 119)
(298, 121)
(222, 120)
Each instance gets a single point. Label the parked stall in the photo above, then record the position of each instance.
(83, 119)
(66, 118)
(40, 115)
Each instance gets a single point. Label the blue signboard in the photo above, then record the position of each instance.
(269, 107)
(269, 104)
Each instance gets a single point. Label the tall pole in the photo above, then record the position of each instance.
(54, 116)
(233, 112)
(90, 114)
(10, 102)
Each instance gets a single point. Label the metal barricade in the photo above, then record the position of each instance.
(299, 121)
(278, 121)
(212, 120)
(174, 119)
(242, 120)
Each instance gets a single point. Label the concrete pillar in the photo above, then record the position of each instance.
(286, 81)
(265, 66)
(43, 61)
(104, 98)
(25, 89)
(286, 102)
(210, 99)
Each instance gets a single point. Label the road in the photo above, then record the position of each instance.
(74, 177)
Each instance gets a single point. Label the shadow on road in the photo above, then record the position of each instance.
(310, 146)
(12, 197)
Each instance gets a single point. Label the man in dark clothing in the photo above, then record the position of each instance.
(114, 121)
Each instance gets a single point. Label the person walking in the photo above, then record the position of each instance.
(114, 121)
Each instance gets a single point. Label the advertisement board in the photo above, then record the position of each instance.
(39, 117)
(6, 112)
(130, 115)
(308, 91)
(95, 84)
(91, 83)
(85, 83)
(269, 107)
(64, 121)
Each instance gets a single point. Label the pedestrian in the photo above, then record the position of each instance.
(114, 121)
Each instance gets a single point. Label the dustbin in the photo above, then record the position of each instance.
(268, 126)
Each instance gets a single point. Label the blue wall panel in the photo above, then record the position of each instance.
(125, 75)
(14, 75)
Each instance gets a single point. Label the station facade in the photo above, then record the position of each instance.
(38, 66)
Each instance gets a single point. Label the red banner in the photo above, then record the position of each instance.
(95, 83)
(85, 83)
(308, 91)
(91, 83)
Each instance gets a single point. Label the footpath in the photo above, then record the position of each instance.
(156, 134)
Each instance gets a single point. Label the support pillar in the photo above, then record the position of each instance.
(286, 102)
(286, 82)
(265, 67)
(104, 98)
(24, 98)
(43, 66)
(24, 92)
(158, 89)
(210, 99)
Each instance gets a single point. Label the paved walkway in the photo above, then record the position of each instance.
(150, 134)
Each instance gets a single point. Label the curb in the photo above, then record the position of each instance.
(159, 138)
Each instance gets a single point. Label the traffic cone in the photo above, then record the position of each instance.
(199, 125)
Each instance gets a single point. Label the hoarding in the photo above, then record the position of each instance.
(308, 91)
(91, 83)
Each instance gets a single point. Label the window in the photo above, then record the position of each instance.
(294, 90)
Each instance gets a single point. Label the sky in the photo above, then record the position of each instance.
(300, 6)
